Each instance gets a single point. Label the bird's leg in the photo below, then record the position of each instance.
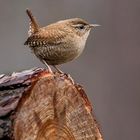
(58, 70)
(49, 68)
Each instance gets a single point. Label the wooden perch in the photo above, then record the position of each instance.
(37, 105)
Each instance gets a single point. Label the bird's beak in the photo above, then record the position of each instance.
(94, 25)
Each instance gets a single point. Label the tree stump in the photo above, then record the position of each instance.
(37, 105)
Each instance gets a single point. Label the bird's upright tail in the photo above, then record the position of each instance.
(33, 24)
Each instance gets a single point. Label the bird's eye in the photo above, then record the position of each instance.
(80, 27)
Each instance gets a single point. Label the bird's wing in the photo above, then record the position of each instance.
(46, 38)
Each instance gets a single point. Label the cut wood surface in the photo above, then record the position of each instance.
(37, 105)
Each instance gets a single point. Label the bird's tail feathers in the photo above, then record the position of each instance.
(33, 24)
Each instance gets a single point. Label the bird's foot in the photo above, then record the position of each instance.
(69, 77)
(50, 70)
(65, 74)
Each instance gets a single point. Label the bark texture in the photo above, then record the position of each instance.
(37, 105)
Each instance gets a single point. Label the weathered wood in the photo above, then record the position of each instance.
(37, 105)
(11, 89)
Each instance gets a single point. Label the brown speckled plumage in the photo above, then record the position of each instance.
(59, 42)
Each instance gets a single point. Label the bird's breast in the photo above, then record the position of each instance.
(64, 52)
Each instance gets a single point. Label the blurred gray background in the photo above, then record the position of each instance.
(109, 68)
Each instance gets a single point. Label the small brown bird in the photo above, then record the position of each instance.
(59, 42)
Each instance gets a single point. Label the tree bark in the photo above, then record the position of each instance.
(37, 105)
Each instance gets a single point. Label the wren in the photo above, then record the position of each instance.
(59, 42)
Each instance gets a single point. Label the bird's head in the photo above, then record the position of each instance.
(79, 26)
